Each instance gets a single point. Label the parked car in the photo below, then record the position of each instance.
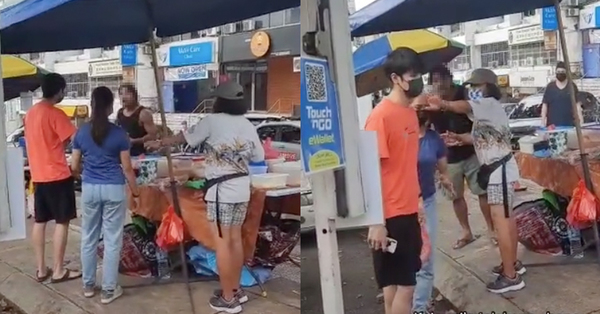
(285, 136)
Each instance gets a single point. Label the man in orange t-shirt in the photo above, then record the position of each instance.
(47, 131)
(397, 128)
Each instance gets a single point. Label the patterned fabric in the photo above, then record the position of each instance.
(496, 197)
(230, 214)
(274, 245)
(138, 256)
(540, 229)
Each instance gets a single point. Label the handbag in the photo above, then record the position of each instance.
(485, 171)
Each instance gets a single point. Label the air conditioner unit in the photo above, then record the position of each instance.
(72, 94)
(297, 67)
(146, 49)
(229, 28)
(572, 3)
(249, 25)
(529, 62)
(494, 64)
(572, 12)
(515, 63)
(214, 31)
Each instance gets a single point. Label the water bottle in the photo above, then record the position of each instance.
(162, 259)
(575, 243)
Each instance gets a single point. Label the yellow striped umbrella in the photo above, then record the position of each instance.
(19, 75)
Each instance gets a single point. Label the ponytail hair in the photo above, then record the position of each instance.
(102, 105)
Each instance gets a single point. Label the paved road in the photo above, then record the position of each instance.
(359, 287)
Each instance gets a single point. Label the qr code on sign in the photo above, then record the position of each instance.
(316, 86)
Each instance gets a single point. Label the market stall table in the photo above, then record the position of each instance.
(556, 175)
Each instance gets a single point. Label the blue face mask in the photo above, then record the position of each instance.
(475, 94)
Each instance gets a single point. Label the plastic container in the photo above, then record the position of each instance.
(293, 169)
(271, 162)
(257, 169)
(162, 260)
(147, 170)
(575, 243)
(269, 180)
(526, 143)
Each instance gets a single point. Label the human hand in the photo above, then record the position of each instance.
(451, 139)
(377, 237)
(447, 184)
(434, 103)
(153, 145)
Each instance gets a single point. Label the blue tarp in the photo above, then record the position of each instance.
(51, 25)
(384, 16)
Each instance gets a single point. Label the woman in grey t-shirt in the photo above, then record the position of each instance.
(491, 138)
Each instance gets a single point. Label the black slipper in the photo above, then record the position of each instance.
(45, 276)
(66, 277)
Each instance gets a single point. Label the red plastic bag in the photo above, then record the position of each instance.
(270, 152)
(583, 208)
(170, 232)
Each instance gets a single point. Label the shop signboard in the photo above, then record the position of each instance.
(321, 136)
(529, 78)
(105, 68)
(198, 53)
(588, 17)
(525, 35)
(186, 73)
(129, 55)
(549, 21)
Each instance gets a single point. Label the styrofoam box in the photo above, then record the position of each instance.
(293, 169)
(269, 180)
(526, 143)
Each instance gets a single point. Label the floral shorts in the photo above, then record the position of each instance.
(230, 214)
(496, 197)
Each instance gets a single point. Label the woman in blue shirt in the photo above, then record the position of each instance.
(104, 148)
(432, 158)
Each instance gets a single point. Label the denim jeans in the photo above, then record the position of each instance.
(424, 287)
(104, 207)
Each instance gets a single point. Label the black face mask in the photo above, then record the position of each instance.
(561, 77)
(415, 87)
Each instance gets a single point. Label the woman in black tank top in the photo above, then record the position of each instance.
(134, 128)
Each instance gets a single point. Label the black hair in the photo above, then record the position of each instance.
(102, 102)
(560, 65)
(131, 89)
(236, 107)
(401, 61)
(440, 70)
(423, 117)
(52, 85)
(492, 90)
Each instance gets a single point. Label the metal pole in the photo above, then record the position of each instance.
(5, 217)
(584, 157)
(176, 205)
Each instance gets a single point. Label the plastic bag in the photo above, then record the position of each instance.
(270, 152)
(170, 232)
(583, 208)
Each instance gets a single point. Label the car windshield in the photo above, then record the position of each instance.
(523, 111)
(508, 108)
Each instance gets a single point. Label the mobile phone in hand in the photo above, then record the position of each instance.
(391, 245)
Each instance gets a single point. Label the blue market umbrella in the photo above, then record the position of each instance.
(434, 49)
(53, 25)
(384, 16)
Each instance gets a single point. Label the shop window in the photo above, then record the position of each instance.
(531, 54)
(529, 13)
(454, 28)
(292, 16)
(112, 82)
(77, 85)
(277, 19)
(462, 62)
(290, 134)
(495, 55)
(261, 21)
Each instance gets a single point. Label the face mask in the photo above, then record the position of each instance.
(415, 87)
(475, 94)
(561, 77)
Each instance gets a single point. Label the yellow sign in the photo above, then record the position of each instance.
(324, 160)
(260, 44)
(503, 80)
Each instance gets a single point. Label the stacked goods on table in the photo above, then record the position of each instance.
(276, 174)
(559, 142)
(154, 170)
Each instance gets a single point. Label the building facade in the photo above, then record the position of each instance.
(523, 48)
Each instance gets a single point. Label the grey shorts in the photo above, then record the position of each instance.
(230, 214)
(495, 195)
(462, 171)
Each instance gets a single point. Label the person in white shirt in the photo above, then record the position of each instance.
(230, 142)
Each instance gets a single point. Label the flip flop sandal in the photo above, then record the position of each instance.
(66, 277)
(41, 279)
(494, 241)
(461, 243)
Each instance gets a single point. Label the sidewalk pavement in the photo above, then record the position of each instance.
(18, 285)
(461, 275)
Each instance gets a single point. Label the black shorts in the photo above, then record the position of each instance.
(55, 201)
(401, 267)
